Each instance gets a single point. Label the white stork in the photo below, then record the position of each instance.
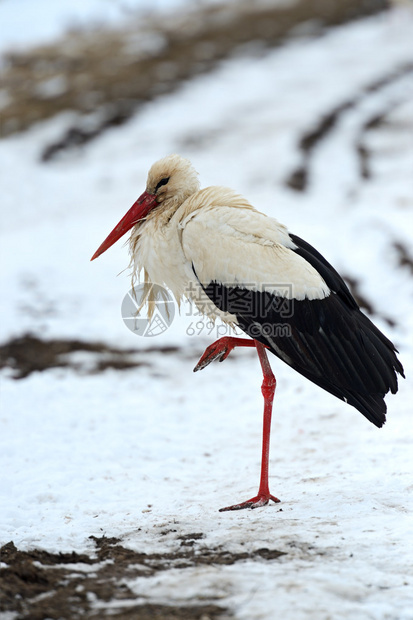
(212, 245)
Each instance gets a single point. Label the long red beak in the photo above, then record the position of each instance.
(138, 211)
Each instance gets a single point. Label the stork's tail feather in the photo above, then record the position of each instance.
(372, 407)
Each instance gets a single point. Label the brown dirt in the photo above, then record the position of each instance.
(299, 179)
(113, 71)
(28, 354)
(38, 584)
(404, 255)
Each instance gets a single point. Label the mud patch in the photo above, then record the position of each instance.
(108, 73)
(404, 256)
(299, 178)
(29, 354)
(38, 584)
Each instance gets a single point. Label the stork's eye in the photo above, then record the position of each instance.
(162, 182)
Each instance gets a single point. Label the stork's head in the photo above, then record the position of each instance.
(171, 181)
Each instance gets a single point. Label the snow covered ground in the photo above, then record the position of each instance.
(25, 23)
(140, 452)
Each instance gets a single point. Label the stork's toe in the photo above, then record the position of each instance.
(255, 502)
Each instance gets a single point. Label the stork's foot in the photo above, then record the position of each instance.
(259, 500)
(218, 350)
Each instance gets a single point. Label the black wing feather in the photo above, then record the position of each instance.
(329, 341)
(330, 276)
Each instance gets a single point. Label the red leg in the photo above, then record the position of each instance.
(268, 389)
(220, 349)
